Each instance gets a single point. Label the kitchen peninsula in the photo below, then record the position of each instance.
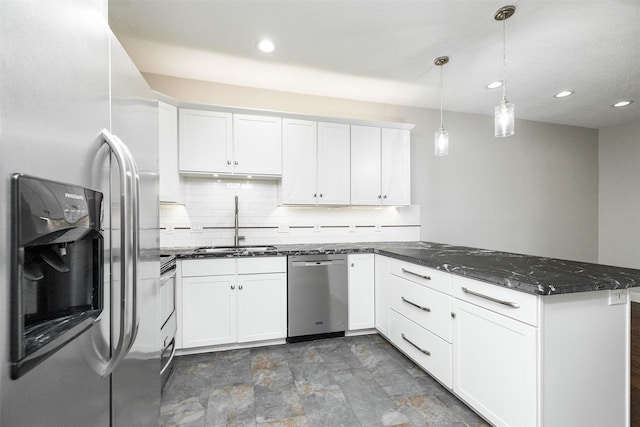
(523, 340)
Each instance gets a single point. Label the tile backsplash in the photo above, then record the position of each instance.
(207, 218)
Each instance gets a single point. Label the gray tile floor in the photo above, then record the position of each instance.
(353, 381)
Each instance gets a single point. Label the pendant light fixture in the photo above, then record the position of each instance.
(505, 111)
(442, 136)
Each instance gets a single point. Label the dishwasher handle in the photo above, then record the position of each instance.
(317, 263)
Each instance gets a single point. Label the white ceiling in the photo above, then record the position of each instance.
(383, 51)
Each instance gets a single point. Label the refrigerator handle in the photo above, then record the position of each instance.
(129, 251)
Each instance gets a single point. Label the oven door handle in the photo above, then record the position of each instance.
(129, 252)
(173, 354)
(166, 277)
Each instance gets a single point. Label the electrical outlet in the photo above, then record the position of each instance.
(283, 228)
(196, 227)
(169, 229)
(618, 296)
(378, 228)
(317, 228)
(352, 229)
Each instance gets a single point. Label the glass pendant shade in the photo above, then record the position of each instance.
(442, 142)
(505, 118)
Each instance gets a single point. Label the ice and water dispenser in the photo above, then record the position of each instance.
(57, 267)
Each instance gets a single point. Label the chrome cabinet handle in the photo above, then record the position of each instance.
(404, 270)
(415, 305)
(173, 353)
(228, 162)
(315, 194)
(353, 264)
(240, 287)
(320, 194)
(130, 251)
(499, 301)
(419, 349)
(379, 196)
(384, 197)
(235, 163)
(233, 287)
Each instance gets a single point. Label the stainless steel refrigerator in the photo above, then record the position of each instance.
(78, 124)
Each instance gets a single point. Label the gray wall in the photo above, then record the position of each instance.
(619, 223)
(534, 193)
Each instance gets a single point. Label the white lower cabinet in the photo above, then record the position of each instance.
(211, 315)
(226, 301)
(518, 359)
(262, 307)
(428, 350)
(361, 279)
(382, 300)
(494, 365)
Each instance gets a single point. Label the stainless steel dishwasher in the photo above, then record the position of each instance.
(316, 296)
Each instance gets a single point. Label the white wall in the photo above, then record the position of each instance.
(534, 193)
(207, 218)
(619, 220)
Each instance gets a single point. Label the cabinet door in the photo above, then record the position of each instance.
(299, 162)
(168, 139)
(365, 165)
(257, 145)
(205, 144)
(208, 310)
(334, 164)
(262, 307)
(494, 365)
(382, 301)
(361, 279)
(396, 174)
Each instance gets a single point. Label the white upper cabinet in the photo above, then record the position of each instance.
(257, 145)
(300, 162)
(316, 163)
(396, 167)
(206, 143)
(365, 165)
(223, 143)
(168, 140)
(334, 163)
(380, 162)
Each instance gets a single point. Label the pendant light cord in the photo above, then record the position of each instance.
(504, 58)
(441, 96)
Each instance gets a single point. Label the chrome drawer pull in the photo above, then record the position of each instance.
(416, 274)
(499, 301)
(419, 349)
(415, 305)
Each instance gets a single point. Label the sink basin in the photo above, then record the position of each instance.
(233, 249)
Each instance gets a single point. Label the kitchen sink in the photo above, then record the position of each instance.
(233, 249)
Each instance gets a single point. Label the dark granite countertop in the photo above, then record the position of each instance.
(525, 273)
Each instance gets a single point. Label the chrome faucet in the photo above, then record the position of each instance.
(236, 238)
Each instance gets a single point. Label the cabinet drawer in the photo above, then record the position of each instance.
(208, 267)
(426, 349)
(439, 280)
(257, 265)
(426, 307)
(514, 304)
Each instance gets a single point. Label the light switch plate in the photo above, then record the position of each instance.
(196, 227)
(378, 228)
(352, 229)
(317, 228)
(169, 229)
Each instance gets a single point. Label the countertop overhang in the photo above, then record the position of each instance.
(525, 273)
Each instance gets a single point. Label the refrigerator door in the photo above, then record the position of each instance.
(134, 119)
(54, 87)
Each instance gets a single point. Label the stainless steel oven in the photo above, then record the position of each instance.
(168, 328)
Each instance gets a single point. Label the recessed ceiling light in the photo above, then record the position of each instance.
(564, 93)
(494, 85)
(622, 103)
(266, 46)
